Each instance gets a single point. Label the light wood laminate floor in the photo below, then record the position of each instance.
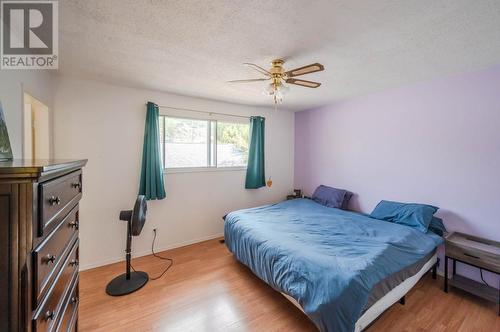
(208, 290)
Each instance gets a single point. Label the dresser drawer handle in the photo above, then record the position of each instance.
(54, 200)
(49, 315)
(50, 259)
(469, 255)
(76, 185)
(74, 224)
(73, 262)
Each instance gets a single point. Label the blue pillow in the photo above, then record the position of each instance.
(418, 216)
(331, 197)
(437, 226)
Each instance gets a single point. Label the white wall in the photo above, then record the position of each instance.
(13, 83)
(105, 124)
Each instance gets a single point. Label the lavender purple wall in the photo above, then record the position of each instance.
(436, 142)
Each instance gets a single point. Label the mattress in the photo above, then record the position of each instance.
(335, 264)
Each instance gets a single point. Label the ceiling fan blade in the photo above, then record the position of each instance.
(307, 84)
(305, 70)
(257, 68)
(250, 80)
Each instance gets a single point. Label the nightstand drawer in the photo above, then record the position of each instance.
(474, 257)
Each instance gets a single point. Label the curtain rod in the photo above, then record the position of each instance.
(190, 110)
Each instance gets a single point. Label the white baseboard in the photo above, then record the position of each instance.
(148, 252)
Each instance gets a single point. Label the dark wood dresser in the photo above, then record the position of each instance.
(39, 222)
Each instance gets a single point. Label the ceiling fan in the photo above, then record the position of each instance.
(279, 76)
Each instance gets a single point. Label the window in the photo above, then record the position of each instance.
(194, 143)
(232, 144)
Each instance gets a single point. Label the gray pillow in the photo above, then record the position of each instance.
(347, 198)
(332, 197)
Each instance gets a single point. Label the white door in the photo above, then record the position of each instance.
(36, 129)
(28, 132)
(40, 117)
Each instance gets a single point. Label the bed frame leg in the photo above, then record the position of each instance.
(402, 301)
(434, 271)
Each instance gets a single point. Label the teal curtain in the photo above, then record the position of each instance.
(152, 185)
(255, 169)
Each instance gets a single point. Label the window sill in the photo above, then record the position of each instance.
(203, 169)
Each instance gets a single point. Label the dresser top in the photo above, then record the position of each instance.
(36, 168)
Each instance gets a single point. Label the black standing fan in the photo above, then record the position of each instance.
(131, 281)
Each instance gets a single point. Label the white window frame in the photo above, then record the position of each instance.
(209, 118)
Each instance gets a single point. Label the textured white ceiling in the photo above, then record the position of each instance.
(193, 47)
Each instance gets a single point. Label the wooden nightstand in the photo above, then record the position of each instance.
(475, 251)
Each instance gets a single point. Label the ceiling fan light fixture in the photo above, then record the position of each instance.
(278, 76)
(268, 90)
(283, 89)
(279, 97)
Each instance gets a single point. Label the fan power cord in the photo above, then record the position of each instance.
(481, 272)
(170, 260)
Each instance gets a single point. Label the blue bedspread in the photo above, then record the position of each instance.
(327, 259)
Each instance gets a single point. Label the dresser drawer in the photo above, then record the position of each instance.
(48, 313)
(474, 257)
(55, 196)
(50, 254)
(70, 310)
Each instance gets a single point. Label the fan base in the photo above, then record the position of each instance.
(121, 286)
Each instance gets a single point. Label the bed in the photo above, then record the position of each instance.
(342, 269)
